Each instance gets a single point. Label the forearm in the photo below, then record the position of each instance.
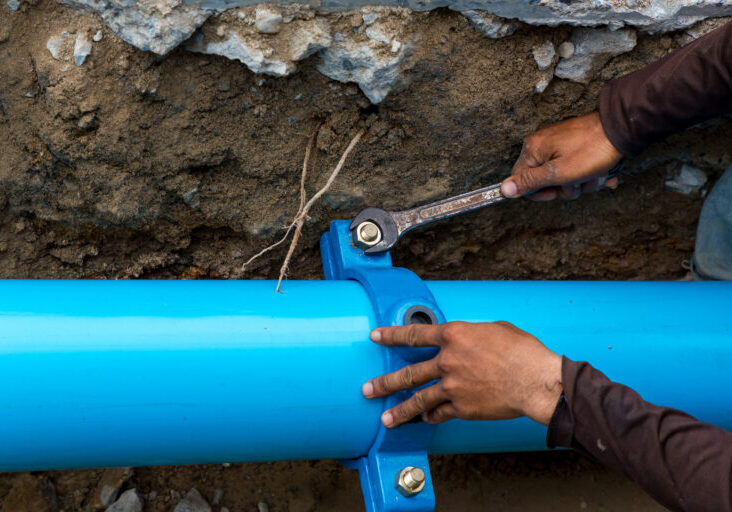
(683, 463)
(686, 87)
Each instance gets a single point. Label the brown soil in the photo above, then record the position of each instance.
(137, 166)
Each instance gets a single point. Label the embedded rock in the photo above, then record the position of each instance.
(161, 25)
(592, 49)
(192, 502)
(152, 25)
(237, 35)
(374, 57)
(130, 501)
(654, 16)
(544, 55)
(109, 485)
(543, 83)
(376, 71)
(490, 25)
(686, 180)
(268, 19)
(57, 46)
(82, 48)
(565, 50)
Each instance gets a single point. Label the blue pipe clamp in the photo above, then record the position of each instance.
(398, 297)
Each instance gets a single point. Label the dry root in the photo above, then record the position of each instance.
(302, 213)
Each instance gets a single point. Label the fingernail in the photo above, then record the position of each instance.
(387, 419)
(375, 335)
(509, 189)
(367, 389)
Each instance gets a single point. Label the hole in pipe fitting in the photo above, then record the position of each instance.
(420, 315)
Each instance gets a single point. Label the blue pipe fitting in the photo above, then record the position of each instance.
(397, 295)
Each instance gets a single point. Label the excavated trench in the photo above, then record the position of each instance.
(182, 162)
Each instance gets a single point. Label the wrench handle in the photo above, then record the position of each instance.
(425, 214)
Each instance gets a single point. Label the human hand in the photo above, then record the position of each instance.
(487, 371)
(563, 160)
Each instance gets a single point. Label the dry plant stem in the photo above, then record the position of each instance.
(305, 162)
(303, 214)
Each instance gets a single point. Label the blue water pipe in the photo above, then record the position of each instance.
(139, 373)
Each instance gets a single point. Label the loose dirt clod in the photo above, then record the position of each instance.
(302, 213)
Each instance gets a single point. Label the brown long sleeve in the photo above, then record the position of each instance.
(681, 462)
(687, 86)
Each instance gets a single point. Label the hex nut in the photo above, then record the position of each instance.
(367, 234)
(410, 481)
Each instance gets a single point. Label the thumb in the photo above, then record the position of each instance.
(529, 179)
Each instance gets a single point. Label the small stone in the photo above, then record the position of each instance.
(193, 502)
(97, 36)
(686, 180)
(217, 495)
(262, 507)
(88, 121)
(542, 84)
(544, 55)
(376, 34)
(152, 495)
(566, 50)
(53, 45)
(267, 19)
(82, 48)
(129, 501)
(490, 25)
(14, 4)
(395, 46)
(369, 17)
(593, 47)
(112, 479)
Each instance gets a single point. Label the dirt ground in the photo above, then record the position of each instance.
(139, 166)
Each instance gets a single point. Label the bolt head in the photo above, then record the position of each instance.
(367, 234)
(410, 481)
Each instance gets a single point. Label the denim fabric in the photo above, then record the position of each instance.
(712, 258)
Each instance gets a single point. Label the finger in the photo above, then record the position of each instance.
(546, 194)
(529, 179)
(569, 192)
(612, 183)
(440, 414)
(592, 185)
(415, 335)
(408, 377)
(423, 400)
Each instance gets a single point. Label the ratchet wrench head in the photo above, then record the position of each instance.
(385, 222)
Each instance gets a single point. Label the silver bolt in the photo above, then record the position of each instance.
(410, 481)
(367, 234)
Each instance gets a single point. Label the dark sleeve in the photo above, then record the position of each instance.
(681, 462)
(690, 85)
